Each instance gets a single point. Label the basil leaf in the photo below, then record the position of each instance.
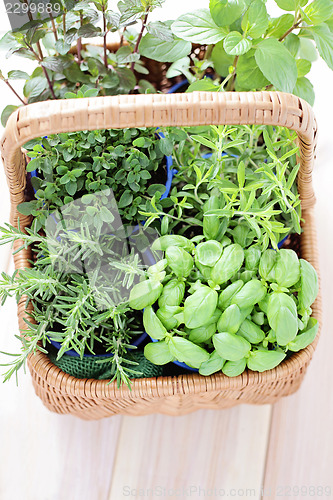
(162, 51)
(180, 261)
(208, 252)
(212, 365)
(163, 242)
(158, 353)
(145, 294)
(228, 293)
(255, 19)
(199, 307)
(229, 263)
(231, 346)
(251, 332)
(198, 27)
(262, 360)
(309, 285)
(282, 317)
(235, 44)
(225, 12)
(267, 264)
(305, 338)
(202, 333)
(287, 269)
(173, 293)
(251, 293)
(277, 64)
(187, 352)
(234, 368)
(230, 320)
(152, 324)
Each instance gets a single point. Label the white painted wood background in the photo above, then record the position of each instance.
(208, 454)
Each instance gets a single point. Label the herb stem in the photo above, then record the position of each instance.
(136, 48)
(121, 43)
(231, 83)
(294, 26)
(104, 38)
(79, 44)
(54, 29)
(50, 84)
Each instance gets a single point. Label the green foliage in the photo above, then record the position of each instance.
(227, 326)
(81, 163)
(245, 189)
(80, 310)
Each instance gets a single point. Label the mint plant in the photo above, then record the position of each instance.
(242, 48)
(250, 50)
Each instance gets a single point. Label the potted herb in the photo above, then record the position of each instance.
(220, 307)
(239, 45)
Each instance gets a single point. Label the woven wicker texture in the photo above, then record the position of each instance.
(93, 399)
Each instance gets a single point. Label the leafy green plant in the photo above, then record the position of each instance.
(242, 48)
(72, 165)
(250, 50)
(217, 307)
(78, 287)
(60, 70)
(242, 189)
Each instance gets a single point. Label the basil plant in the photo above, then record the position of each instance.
(215, 306)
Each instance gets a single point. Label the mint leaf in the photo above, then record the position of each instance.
(277, 64)
(154, 48)
(226, 12)
(255, 19)
(323, 38)
(198, 27)
(304, 89)
(235, 45)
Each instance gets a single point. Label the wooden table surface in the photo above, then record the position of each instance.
(284, 450)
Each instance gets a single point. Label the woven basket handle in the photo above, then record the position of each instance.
(197, 108)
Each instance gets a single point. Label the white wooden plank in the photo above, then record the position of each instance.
(300, 449)
(45, 456)
(202, 454)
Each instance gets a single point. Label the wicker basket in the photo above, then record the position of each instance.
(93, 399)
